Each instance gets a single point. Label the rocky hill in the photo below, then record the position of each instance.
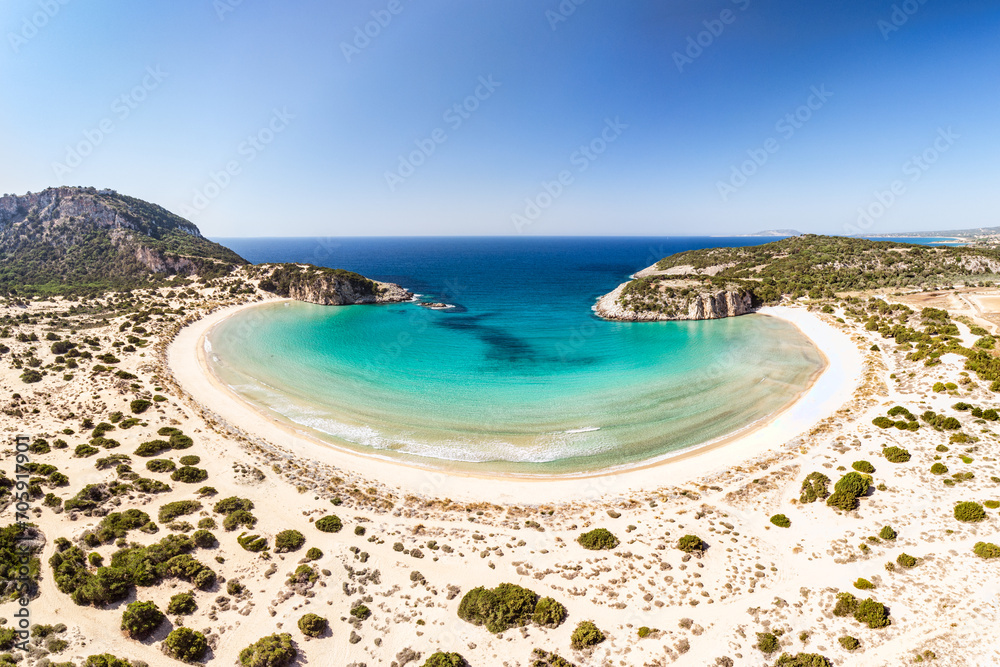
(723, 282)
(84, 240)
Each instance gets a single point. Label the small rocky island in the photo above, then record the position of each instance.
(326, 287)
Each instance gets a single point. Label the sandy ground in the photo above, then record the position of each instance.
(415, 541)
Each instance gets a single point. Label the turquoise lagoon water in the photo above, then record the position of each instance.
(519, 376)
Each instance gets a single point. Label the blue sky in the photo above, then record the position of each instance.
(603, 117)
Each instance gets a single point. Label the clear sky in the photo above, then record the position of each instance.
(597, 117)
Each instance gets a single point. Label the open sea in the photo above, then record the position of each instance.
(519, 376)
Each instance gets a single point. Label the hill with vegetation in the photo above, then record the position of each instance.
(809, 265)
(72, 240)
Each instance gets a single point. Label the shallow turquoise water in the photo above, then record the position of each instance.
(511, 385)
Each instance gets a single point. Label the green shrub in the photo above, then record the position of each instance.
(361, 612)
(105, 660)
(598, 539)
(314, 553)
(152, 448)
(233, 504)
(986, 550)
(288, 540)
(691, 544)
(329, 524)
(189, 475)
(204, 539)
(171, 511)
(872, 613)
(252, 543)
(814, 487)
(989, 504)
(781, 521)
(239, 518)
(585, 635)
(440, 659)
(863, 466)
(31, 376)
(767, 643)
(150, 485)
(83, 451)
(939, 469)
(849, 643)
(500, 608)
(139, 405)
(906, 560)
(803, 660)
(180, 441)
(887, 533)
(883, 422)
(140, 619)
(896, 454)
(182, 604)
(848, 489)
(186, 645)
(863, 584)
(549, 613)
(970, 512)
(118, 524)
(161, 465)
(190, 460)
(271, 651)
(313, 625)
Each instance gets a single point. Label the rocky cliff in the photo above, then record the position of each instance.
(326, 287)
(675, 300)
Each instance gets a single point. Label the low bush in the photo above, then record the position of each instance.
(814, 487)
(252, 543)
(986, 550)
(585, 636)
(849, 643)
(275, 650)
(314, 553)
(803, 660)
(781, 521)
(204, 539)
(186, 645)
(190, 460)
(313, 625)
(767, 643)
(598, 539)
(139, 405)
(690, 544)
(361, 612)
(970, 512)
(189, 475)
(440, 659)
(171, 511)
(288, 540)
(863, 584)
(887, 533)
(873, 614)
(180, 441)
(549, 613)
(330, 524)
(906, 560)
(117, 525)
(896, 454)
(182, 604)
(863, 466)
(161, 465)
(152, 448)
(500, 608)
(105, 660)
(233, 504)
(239, 518)
(141, 619)
(939, 469)
(848, 489)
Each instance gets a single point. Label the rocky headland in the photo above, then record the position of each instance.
(327, 287)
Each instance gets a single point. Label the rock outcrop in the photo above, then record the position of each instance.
(699, 305)
(327, 287)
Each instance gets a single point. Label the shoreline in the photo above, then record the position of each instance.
(830, 388)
